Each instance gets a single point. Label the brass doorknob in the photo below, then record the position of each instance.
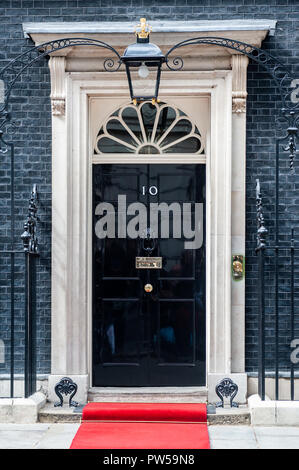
(148, 288)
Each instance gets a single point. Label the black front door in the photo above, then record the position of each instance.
(154, 338)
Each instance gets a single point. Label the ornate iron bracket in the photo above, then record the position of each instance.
(226, 388)
(66, 386)
(17, 66)
(279, 72)
(29, 237)
(274, 67)
(262, 232)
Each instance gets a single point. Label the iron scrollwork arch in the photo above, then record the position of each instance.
(14, 69)
(277, 70)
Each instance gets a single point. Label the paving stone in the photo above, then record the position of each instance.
(228, 444)
(232, 433)
(20, 439)
(282, 442)
(24, 427)
(280, 437)
(59, 436)
(277, 431)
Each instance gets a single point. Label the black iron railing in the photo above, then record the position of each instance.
(24, 290)
(278, 312)
(30, 242)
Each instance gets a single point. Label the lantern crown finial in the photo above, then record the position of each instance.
(143, 29)
(143, 61)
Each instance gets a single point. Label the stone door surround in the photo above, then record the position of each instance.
(76, 79)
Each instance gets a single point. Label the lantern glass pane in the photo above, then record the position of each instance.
(144, 87)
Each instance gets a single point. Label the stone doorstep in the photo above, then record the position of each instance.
(21, 410)
(66, 414)
(149, 394)
(50, 414)
(231, 416)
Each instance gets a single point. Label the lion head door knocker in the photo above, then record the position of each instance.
(66, 387)
(226, 388)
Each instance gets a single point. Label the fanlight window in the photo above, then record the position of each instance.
(149, 129)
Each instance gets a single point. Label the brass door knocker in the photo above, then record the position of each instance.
(148, 288)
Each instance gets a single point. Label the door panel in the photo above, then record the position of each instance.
(148, 338)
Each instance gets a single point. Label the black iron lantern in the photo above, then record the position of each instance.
(143, 61)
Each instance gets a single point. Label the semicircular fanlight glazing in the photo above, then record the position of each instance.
(149, 128)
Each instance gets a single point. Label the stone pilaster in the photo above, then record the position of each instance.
(239, 93)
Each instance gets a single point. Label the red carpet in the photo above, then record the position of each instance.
(143, 426)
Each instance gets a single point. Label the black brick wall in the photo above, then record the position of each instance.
(33, 138)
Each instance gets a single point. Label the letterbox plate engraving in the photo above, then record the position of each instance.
(148, 262)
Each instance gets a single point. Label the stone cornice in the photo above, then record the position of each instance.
(93, 27)
(165, 34)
